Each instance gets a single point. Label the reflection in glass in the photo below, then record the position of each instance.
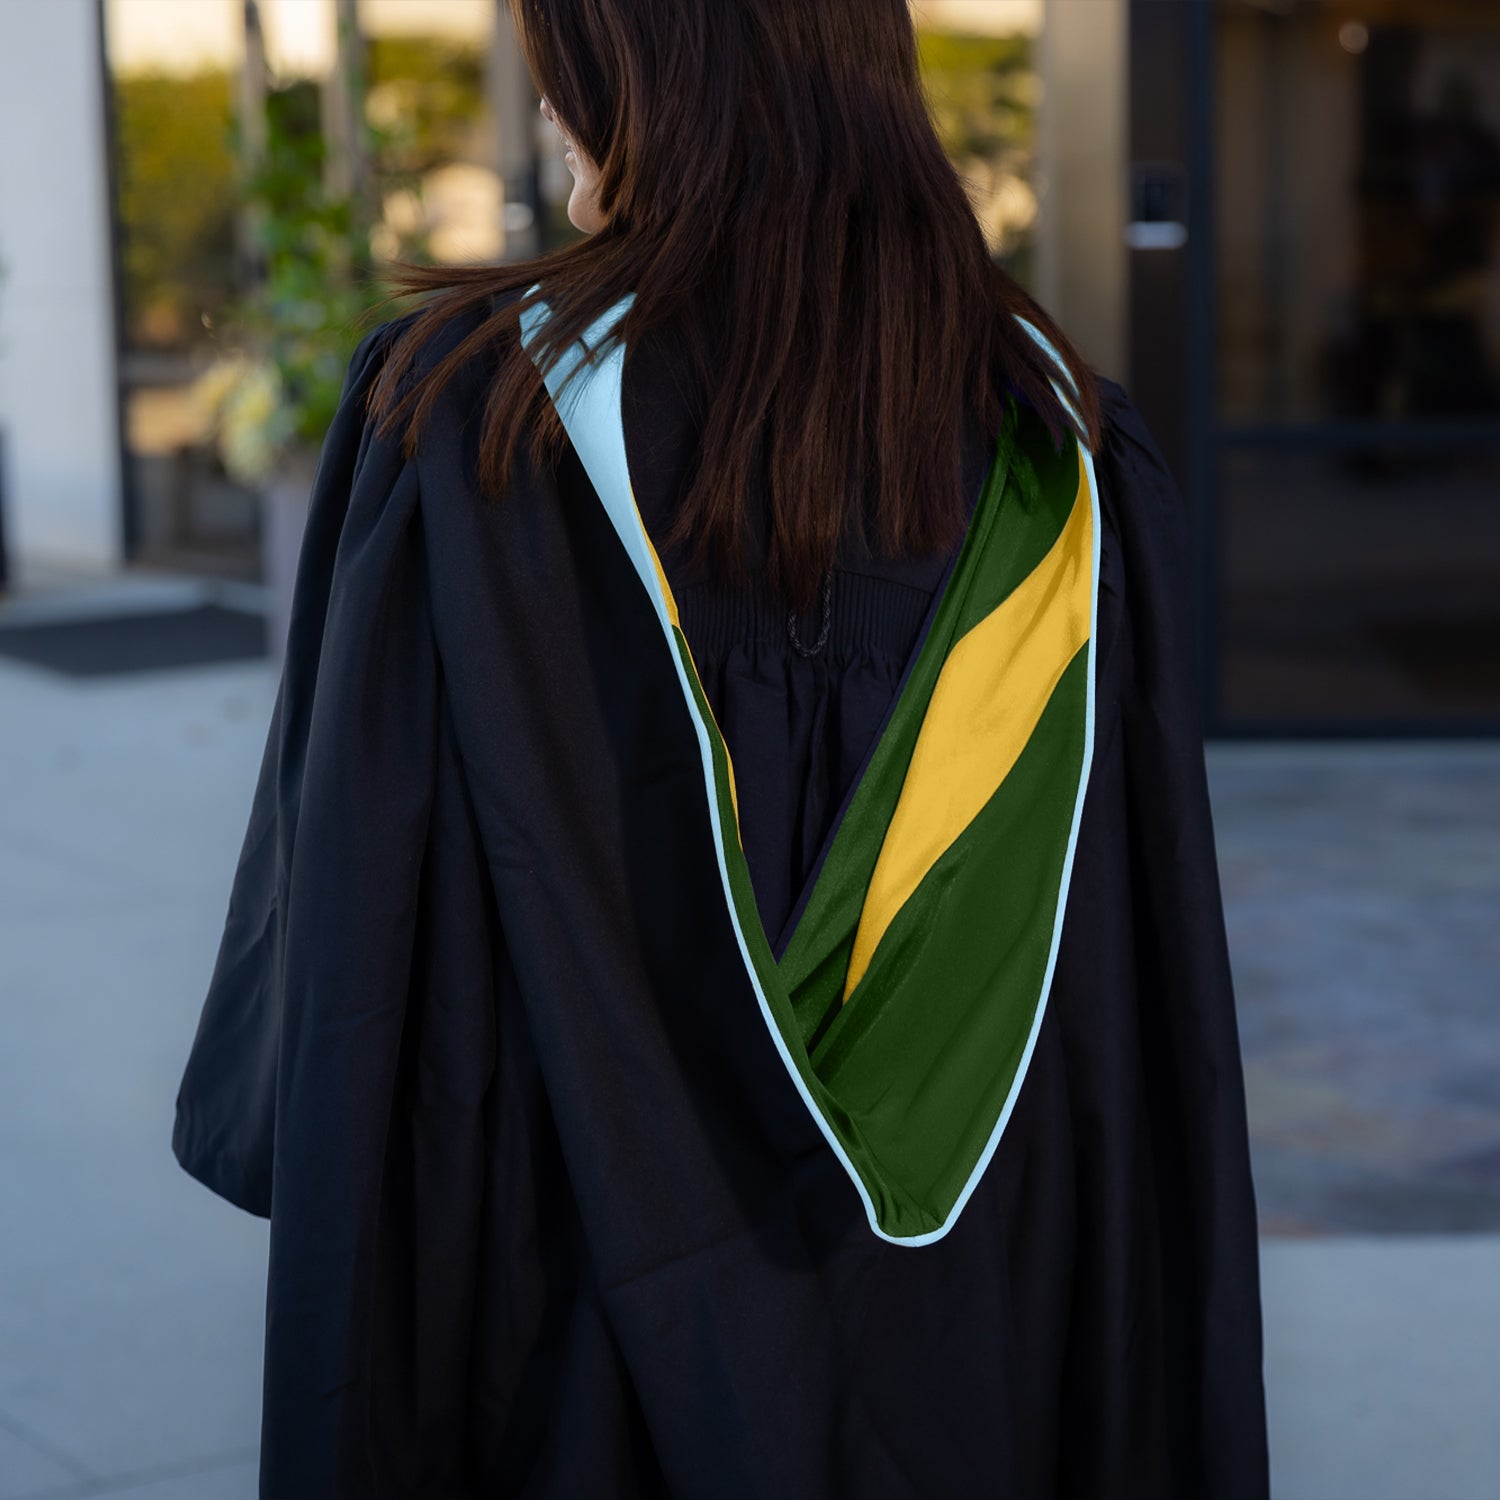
(1360, 587)
(1358, 210)
(177, 89)
(1358, 438)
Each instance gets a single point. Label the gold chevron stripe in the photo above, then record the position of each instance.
(661, 577)
(984, 707)
(671, 602)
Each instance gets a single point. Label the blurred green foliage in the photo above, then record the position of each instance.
(313, 283)
(292, 334)
(983, 94)
(427, 97)
(980, 90)
(175, 170)
(176, 165)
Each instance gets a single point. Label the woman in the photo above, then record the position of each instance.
(725, 992)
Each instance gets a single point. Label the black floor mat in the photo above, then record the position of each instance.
(139, 642)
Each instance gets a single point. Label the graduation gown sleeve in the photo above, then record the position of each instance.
(225, 1123)
(1183, 1142)
(347, 1038)
(1190, 1040)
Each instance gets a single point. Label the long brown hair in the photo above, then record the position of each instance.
(774, 188)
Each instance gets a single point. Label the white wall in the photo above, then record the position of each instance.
(62, 482)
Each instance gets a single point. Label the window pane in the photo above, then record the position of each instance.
(1358, 204)
(1361, 587)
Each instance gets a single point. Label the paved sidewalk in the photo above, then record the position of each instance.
(131, 1298)
(1383, 1367)
(1362, 894)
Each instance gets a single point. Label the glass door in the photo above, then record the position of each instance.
(1354, 463)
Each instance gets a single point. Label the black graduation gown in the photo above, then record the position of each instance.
(548, 1217)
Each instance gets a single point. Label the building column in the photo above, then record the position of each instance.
(59, 399)
(1082, 150)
